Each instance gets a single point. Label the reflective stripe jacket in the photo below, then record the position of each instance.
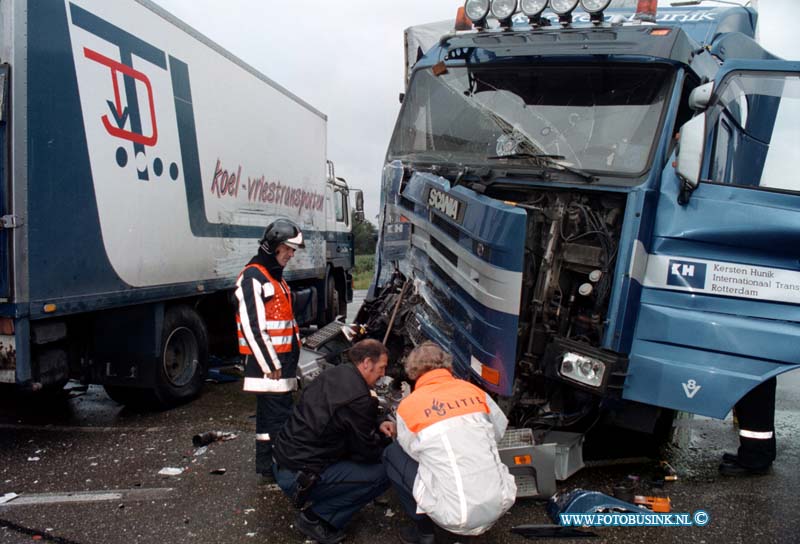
(267, 330)
(451, 428)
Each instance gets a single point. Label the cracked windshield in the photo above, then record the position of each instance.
(595, 118)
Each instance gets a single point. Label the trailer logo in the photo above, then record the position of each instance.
(135, 128)
(687, 274)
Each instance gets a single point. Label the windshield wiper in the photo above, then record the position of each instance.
(551, 161)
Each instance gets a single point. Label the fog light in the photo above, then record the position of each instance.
(594, 6)
(477, 10)
(533, 8)
(583, 369)
(503, 9)
(563, 7)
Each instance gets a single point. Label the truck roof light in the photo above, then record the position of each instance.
(503, 10)
(646, 11)
(594, 6)
(533, 10)
(477, 10)
(462, 21)
(564, 9)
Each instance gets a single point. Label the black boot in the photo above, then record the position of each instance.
(737, 469)
(318, 529)
(420, 532)
(729, 457)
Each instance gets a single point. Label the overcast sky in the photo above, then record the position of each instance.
(346, 59)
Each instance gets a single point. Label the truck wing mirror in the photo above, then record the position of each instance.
(691, 144)
(359, 196)
(701, 96)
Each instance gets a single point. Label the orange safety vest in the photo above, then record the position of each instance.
(280, 322)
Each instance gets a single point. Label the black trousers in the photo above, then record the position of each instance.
(272, 411)
(756, 414)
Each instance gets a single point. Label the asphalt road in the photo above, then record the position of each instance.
(87, 471)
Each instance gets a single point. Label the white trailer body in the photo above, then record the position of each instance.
(141, 164)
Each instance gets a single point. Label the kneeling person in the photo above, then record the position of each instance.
(328, 453)
(445, 462)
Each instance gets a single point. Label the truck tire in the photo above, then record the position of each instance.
(130, 396)
(182, 364)
(335, 302)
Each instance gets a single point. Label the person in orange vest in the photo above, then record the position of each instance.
(268, 335)
(445, 465)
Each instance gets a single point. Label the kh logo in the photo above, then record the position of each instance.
(687, 274)
(691, 388)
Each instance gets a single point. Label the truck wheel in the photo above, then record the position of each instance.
(335, 302)
(130, 396)
(183, 362)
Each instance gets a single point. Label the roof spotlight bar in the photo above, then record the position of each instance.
(478, 11)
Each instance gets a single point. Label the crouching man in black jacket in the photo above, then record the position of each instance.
(328, 453)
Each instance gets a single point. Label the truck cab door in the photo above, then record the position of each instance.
(720, 304)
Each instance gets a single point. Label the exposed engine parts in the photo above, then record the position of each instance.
(561, 372)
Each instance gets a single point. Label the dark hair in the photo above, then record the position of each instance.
(367, 349)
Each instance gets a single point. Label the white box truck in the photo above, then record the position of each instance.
(139, 165)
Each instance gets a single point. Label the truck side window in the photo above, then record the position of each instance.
(755, 130)
(720, 165)
(339, 205)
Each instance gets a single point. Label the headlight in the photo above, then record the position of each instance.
(503, 9)
(594, 6)
(533, 8)
(563, 7)
(582, 369)
(477, 9)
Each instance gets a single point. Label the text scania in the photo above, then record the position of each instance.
(227, 183)
(444, 203)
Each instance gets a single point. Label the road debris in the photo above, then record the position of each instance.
(171, 471)
(8, 497)
(204, 439)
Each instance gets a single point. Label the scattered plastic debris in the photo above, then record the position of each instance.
(204, 439)
(218, 471)
(170, 471)
(200, 451)
(33, 459)
(389, 513)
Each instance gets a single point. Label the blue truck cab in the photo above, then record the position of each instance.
(597, 215)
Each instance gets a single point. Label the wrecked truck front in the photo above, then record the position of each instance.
(463, 252)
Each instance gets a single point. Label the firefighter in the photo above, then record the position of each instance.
(756, 414)
(268, 335)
